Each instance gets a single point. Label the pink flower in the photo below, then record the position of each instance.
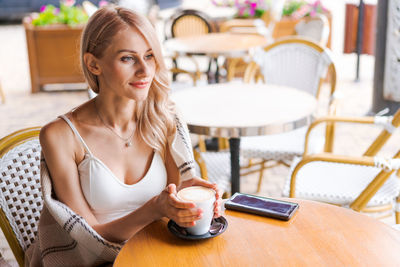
(252, 10)
(69, 2)
(237, 4)
(301, 12)
(241, 11)
(42, 8)
(103, 3)
(56, 11)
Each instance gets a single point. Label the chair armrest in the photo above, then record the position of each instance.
(388, 167)
(381, 120)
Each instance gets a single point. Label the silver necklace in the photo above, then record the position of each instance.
(127, 141)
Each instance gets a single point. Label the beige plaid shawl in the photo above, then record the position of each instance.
(65, 239)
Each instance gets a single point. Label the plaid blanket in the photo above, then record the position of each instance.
(65, 239)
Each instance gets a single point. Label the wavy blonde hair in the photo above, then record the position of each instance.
(155, 115)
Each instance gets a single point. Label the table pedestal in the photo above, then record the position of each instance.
(234, 146)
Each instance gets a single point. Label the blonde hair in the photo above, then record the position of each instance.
(155, 115)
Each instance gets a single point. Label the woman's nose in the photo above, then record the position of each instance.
(143, 69)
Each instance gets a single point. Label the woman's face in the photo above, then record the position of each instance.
(128, 65)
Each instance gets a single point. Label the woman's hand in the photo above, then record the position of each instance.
(201, 182)
(182, 212)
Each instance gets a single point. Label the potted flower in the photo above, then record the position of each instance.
(53, 44)
(293, 11)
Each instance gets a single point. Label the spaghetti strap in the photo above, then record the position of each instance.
(71, 125)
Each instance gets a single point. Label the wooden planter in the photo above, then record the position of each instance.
(53, 54)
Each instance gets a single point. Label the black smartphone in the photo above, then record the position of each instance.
(278, 209)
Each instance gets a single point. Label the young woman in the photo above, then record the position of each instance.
(110, 158)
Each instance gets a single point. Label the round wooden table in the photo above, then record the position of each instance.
(215, 44)
(233, 110)
(318, 235)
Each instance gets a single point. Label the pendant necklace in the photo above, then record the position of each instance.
(127, 141)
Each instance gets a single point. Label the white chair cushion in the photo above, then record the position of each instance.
(284, 146)
(218, 169)
(339, 183)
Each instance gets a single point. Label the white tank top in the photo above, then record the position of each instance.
(109, 198)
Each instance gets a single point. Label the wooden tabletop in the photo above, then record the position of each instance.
(318, 235)
(227, 44)
(238, 109)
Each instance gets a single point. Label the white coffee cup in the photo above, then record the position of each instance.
(204, 199)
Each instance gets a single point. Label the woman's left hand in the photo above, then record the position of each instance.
(196, 181)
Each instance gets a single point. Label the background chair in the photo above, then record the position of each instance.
(298, 63)
(20, 194)
(213, 166)
(265, 26)
(365, 183)
(188, 22)
(315, 28)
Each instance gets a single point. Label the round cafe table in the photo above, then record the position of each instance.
(216, 44)
(317, 235)
(233, 110)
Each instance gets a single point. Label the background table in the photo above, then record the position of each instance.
(215, 45)
(318, 235)
(233, 110)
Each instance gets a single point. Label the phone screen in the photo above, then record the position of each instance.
(279, 207)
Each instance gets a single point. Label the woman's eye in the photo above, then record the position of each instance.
(127, 59)
(149, 56)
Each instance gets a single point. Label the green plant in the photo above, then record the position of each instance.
(68, 14)
(246, 8)
(301, 8)
(291, 7)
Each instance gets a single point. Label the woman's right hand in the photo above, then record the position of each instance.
(182, 212)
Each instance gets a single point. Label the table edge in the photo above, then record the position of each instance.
(237, 132)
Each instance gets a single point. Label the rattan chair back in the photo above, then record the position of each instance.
(295, 62)
(20, 191)
(190, 22)
(316, 28)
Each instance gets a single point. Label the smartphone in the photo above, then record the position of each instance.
(278, 209)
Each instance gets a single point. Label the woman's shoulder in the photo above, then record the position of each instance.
(55, 131)
(59, 128)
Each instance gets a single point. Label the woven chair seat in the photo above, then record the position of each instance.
(20, 192)
(339, 183)
(218, 169)
(281, 147)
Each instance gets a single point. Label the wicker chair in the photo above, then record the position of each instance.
(188, 22)
(297, 63)
(263, 26)
(316, 28)
(20, 192)
(366, 183)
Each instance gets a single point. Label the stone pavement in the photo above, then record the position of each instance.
(23, 109)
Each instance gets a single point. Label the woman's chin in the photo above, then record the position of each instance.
(138, 97)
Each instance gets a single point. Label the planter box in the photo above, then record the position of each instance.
(286, 26)
(53, 54)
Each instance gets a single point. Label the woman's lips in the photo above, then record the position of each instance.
(140, 85)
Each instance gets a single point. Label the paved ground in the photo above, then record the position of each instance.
(23, 109)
